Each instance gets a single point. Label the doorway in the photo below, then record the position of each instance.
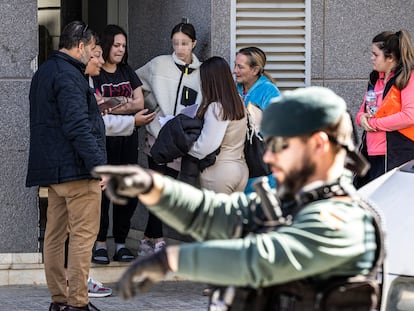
(54, 14)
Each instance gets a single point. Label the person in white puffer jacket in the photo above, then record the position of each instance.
(170, 83)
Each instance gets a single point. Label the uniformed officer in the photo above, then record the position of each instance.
(322, 247)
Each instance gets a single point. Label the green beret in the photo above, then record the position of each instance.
(302, 111)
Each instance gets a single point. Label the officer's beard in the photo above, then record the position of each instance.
(296, 179)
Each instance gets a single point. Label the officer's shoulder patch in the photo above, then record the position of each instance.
(331, 219)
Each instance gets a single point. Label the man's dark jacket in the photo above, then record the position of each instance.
(67, 133)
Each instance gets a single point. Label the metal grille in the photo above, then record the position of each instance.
(280, 29)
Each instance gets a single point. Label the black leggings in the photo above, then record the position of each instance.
(120, 150)
(153, 230)
(377, 166)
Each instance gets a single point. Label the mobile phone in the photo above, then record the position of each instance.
(149, 111)
(111, 102)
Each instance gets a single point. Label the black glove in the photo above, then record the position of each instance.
(151, 269)
(126, 181)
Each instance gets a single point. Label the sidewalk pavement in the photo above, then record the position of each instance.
(167, 295)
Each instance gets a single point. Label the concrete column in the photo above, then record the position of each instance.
(18, 52)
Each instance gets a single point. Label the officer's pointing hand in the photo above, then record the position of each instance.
(150, 270)
(125, 181)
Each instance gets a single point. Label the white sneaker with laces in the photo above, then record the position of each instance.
(145, 248)
(97, 290)
(159, 246)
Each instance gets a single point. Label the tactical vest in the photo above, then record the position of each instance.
(353, 293)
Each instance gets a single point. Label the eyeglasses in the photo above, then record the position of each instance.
(276, 144)
(85, 29)
(81, 30)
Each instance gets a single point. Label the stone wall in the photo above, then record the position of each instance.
(151, 22)
(342, 32)
(18, 49)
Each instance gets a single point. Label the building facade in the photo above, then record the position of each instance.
(308, 42)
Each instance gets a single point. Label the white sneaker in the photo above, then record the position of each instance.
(97, 290)
(145, 248)
(159, 246)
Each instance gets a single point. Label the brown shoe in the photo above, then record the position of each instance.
(57, 306)
(89, 307)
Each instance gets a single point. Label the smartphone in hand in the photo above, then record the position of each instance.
(149, 111)
(110, 103)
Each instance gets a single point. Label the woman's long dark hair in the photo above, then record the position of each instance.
(217, 85)
(107, 40)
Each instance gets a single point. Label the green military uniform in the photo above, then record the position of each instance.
(327, 237)
(325, 258)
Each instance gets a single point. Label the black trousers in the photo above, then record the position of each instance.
(120, 150)
(153, 228)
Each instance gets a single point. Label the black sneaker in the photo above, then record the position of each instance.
(100, 256)
(124, 255)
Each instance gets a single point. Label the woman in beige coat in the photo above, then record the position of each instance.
(224, 127)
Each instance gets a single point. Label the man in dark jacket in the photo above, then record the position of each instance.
(67, 139)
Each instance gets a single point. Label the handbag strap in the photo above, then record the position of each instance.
(251, 128)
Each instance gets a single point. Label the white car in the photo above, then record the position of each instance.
(393, 195)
